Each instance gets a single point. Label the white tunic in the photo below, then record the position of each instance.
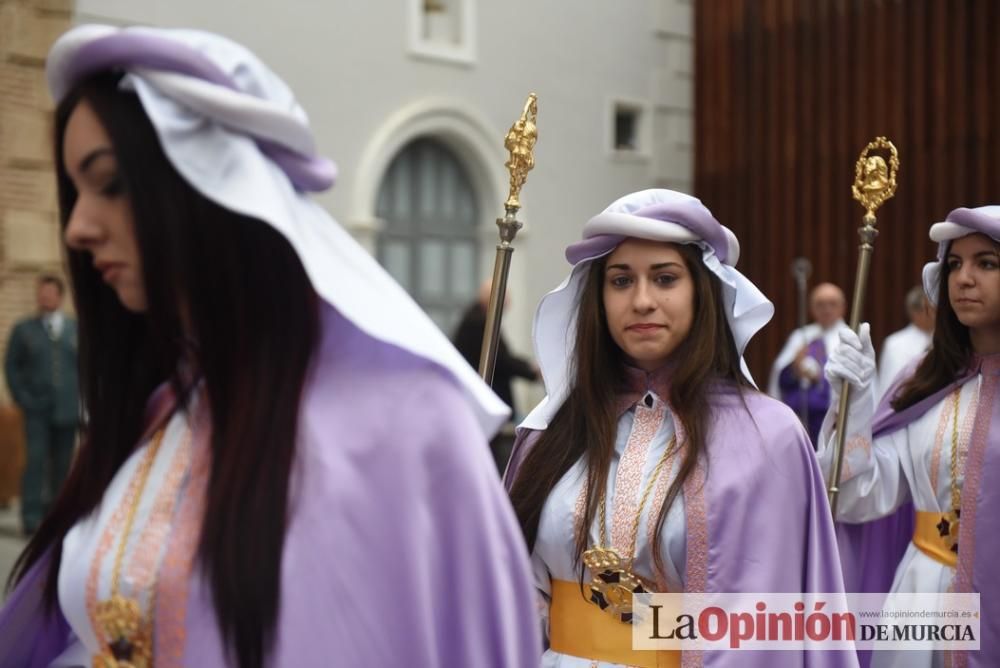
(164, 487)
(644, 432)
(913, 463)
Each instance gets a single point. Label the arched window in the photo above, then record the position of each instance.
(429, 241)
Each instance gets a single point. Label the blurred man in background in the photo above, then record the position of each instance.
(41, 371)
(468, 338)
(797, 374)
(909, 343)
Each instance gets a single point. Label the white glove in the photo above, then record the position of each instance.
(810, 370)
(852, 360)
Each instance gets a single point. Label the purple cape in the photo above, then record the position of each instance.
(401, 547)
(871, 552)
(759, 523)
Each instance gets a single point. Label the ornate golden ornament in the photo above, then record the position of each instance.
(613, 584)
(874, 180)
(126, 635)
(520, 143)
(949, 527)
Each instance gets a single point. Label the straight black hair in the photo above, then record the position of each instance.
(227, 298)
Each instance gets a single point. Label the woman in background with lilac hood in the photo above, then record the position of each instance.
(284, 462)
(654, 442)
(920, 488)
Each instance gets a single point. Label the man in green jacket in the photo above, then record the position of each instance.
(42, 374)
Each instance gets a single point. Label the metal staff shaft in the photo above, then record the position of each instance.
(867, 233)
(501, 268)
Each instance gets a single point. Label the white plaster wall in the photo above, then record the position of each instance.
(350, 65)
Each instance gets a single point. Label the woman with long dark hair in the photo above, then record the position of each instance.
(283, 461)
(920, 485)
(654, 464)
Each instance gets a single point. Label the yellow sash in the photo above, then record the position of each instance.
(580, 628)
(928, 538)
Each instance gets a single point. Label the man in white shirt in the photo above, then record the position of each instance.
(797, 374)
(902, 347)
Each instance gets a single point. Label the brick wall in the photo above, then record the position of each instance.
(29, 236)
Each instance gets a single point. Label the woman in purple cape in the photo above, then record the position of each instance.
(283, 461)
(920, 487)
(653, 442)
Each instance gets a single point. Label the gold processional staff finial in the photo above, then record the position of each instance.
(520, 143)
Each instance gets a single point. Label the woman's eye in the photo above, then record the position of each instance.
(114, 187)
(620, 281)
(954, 264)
(665, 279)
(989, 264)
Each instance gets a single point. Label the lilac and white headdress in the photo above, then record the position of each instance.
(236, 134)
(658, 215)
(959, 223)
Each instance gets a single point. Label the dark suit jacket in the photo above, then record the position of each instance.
(42, 373)
(469, 341)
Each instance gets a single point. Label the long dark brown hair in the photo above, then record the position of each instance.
(949, 356)
(585, 425)
(253, 316)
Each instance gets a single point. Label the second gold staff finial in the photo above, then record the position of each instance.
(520, 142)
(874, 180)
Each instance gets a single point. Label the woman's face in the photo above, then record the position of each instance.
(974, 281)
(649, 300)
(101, 221)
